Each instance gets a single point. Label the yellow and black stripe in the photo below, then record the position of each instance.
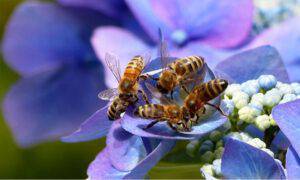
(191, 64)
(212, 89)
(116, 108)
(152, 111)
(134, 68)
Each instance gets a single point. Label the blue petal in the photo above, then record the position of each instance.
(287, 116)
(251, 64)
(122, 149)
(292, 164)
(289, 32)
(243, 161)
(209, 20)
(111, 8)
(94, 127)
(41, 36)
(101, 168)
(281, 141)
(52, 104)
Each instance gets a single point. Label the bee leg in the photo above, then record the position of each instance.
(218, 108)
(150, 124)
(171, 126)
(172, 97)
(147, 76)
(185, 89)
(145, 98)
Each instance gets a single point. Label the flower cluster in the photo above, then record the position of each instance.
(252, 101)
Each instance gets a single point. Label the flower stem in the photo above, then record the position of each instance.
(270, 134)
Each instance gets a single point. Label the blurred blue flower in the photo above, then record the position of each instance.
(287, 116)
(49, 46)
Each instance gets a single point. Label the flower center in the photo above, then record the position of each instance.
(179, 36)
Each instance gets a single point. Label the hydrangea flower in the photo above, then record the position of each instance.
(122, 136)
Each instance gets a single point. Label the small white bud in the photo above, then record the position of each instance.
(247, 114)
(229, 104)
(296, 87)
(288, 98)
(268, 151)
(272, 98)
(240, 99)
(208, 168)
(267, 82)
(256, 142)
(234, 135)
(231, 89)
(286, 89)
(245, 137)
(217, 167)
(262, 122)
(250, 87)
(257, 98)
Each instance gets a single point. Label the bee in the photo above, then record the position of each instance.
(174, 115)
(128, 88)
(180, 72)
(202, 94)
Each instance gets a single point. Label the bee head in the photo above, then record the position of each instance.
(192, 103)
(166, 82)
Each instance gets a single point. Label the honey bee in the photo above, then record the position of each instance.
(128, 88)
(174, 115)
(202, 94)
(180, 72)
(184, 117)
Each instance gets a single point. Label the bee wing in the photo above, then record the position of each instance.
(113, 64)
(108, 94)
(163, 99)
(163, 50)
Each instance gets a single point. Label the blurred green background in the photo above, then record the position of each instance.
(48, 160)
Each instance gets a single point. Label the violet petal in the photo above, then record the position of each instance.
(209, 20)
(243, 161)
(287, 117)
(119, 42)
(52, 104)
(251, 64)
(285, 38)
(94, 127)
(41, 36)
(292, 164)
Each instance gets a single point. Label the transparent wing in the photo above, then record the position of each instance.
(108, 94)
(113, 64)
(156, 94)
(163, 50)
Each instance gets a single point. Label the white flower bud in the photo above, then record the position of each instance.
(296, 87)
(234, 135)
(229, 105)
(257, 98)
(217, 167)
(262, 122)
(231, 89)
(272, 98)
(267, 82)
(245, 137)
(240, 99)
(247, 114)
(288, 98)
(250, 87)
(256, 142)
(208, 168)
(286, 89)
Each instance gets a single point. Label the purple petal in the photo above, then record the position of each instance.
(94, 127)
(49, 105)
(41, 36)
(243, 161)
(292, 164)
(251, 64)
(119, 42)
(101, 168)
(161, 130)
(125, 149)
(211, 21)
(112, 8)
(212, 56)
(281, 141)
(289, 32)
(287, 116)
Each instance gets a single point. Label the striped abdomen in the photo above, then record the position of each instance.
(134, 68)
(187, 65)
(210, 90)
(151, 111)
(116, 108)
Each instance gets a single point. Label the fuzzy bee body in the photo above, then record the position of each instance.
(181, 72)
(116, 108)
(173, 114)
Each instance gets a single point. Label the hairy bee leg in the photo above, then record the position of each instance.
(147, 76)
(171, 126)
(150, 124)
(145, 98)
(185, 89)
(218, 108)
